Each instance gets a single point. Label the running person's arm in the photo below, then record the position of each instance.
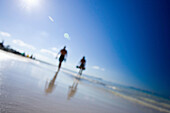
(79, 63)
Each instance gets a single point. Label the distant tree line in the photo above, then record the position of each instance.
(8, 49)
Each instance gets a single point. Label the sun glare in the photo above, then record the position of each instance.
(30, 4)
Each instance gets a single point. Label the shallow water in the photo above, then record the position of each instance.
(28, 86)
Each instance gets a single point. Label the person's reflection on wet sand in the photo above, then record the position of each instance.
(72, 89)
(50, 87)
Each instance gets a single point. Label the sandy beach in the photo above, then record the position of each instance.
(29, 86)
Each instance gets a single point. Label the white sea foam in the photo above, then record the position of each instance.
(155, 102)
(141, 102)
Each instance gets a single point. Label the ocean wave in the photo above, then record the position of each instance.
(141, 102)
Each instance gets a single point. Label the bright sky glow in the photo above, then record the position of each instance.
(30, 4)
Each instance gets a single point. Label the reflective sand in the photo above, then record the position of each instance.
(28, 86)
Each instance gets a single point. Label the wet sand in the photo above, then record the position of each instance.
(28, 86)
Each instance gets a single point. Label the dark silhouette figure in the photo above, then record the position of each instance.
(50, 87)
(72, 89)
(31, 56)
(82, 65)
(2, 44)
(23, 54)
(63, 55)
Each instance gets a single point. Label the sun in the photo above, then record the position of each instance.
(30, 4)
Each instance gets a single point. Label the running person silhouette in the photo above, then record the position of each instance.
(63, 55)
(82, 65)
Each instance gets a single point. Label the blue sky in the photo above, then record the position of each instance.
(126, 42)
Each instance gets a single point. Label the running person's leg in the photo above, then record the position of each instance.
(59, 66)
(80, 72)
(60, 61)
